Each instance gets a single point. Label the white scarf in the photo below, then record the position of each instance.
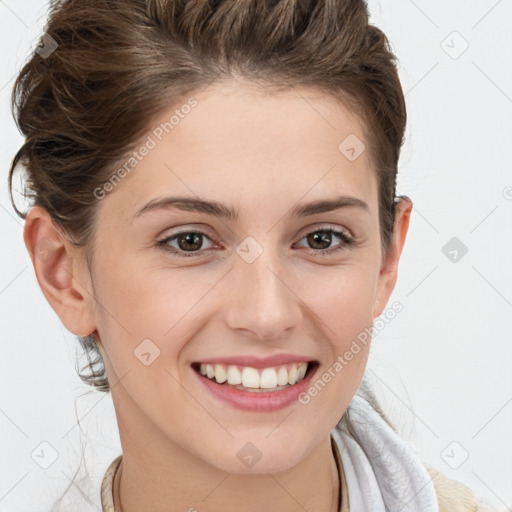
(382, 472)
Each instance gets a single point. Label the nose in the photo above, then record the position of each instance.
(262, 302)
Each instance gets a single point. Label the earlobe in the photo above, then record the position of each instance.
(58, 273)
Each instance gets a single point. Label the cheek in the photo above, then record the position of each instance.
(343, 298)
(159, 305)
(141, 301)
(343, 306)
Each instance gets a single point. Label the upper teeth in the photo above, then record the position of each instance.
(251, 378)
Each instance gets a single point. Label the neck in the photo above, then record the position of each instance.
(157, 475)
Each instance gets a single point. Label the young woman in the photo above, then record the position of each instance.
(214, 216)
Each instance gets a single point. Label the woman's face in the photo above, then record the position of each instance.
(250, 284)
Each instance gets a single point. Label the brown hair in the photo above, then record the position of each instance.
(108, 67)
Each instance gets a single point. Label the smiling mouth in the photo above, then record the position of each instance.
(247, 378)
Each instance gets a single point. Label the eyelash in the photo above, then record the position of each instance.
(347, 242)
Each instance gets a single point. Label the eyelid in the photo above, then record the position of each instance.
(315, 227)
(187, 228)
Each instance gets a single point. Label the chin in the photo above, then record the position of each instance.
(259, 456)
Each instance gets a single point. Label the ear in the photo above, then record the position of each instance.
(389, 269)
(60, 272)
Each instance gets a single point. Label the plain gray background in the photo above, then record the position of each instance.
(445, 361)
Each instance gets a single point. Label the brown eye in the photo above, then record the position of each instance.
(187, 242)
(320, 240)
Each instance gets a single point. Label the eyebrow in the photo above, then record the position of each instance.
(217, 209)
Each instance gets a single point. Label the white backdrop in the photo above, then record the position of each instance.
(445, 362)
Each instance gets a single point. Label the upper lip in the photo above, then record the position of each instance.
(257, 361)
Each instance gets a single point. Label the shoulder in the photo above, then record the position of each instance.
(454, 496)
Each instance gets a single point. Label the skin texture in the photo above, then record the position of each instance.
(261, 154)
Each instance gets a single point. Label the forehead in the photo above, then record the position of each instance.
(243, 145)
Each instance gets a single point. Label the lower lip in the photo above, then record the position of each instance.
(257, 400)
